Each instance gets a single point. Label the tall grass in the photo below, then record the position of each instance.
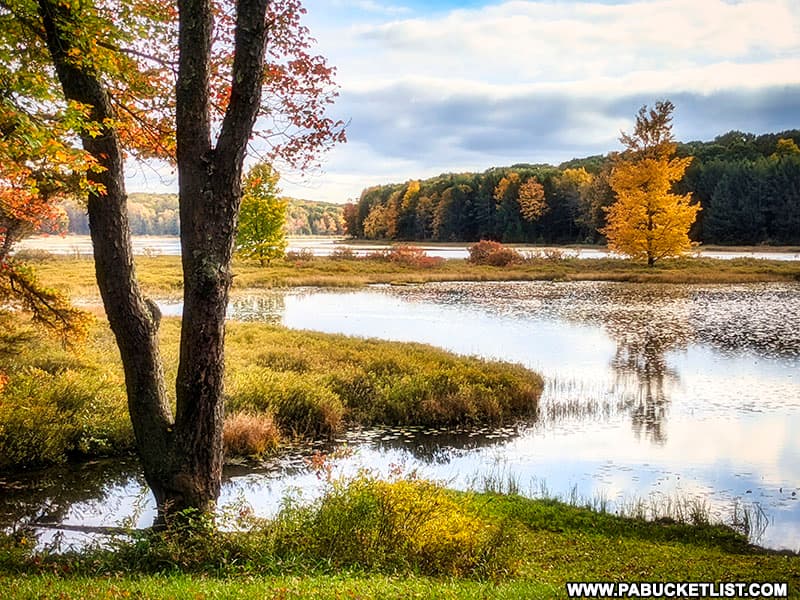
(250, 434)
(60, 403)
(162, 274)
(739, 518)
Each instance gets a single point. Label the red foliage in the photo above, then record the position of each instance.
(412, 256)
(488, 252)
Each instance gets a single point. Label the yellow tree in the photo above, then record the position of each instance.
(532, 204)
(648, 220)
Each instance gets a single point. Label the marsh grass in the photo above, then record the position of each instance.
(58, 403)
(250, 434)
(67, 403)
(745, 519)
(161, 275)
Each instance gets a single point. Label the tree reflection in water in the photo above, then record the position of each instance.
(644, 333)
(263, 308)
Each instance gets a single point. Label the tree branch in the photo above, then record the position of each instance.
(193, 123)
(250, 41)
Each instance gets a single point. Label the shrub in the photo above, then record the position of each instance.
(343, 254)
(30, 255)
(404, 525)
(304, 255)
(250, 434)
(487, 252)
(379, 255)
(412, 256)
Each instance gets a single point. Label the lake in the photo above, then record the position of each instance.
(81, 245)
(657, 394)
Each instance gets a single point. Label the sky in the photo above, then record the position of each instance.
(431, 87)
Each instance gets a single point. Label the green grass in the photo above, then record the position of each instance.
(61, 403)
(370, 539)
(161, 276)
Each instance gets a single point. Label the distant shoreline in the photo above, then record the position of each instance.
(81, 245)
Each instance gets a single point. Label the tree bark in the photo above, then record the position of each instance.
(210, 195)
(181, 458)
(132, 318)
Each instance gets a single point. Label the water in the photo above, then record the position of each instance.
(653, 392)
(81, 245)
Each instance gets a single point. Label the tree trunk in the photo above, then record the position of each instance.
(181, 457)
(133, 319)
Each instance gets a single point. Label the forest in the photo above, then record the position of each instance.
(157, 214)
(748, 188)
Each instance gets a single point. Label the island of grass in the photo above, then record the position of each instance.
(281, 386)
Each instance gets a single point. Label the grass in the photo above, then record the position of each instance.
(161, 275)
(280, 385)
(405, 538)
(363, 538)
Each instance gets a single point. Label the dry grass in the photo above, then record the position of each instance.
(250, 434)
(161, 275)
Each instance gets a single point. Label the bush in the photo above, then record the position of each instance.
(487, 252)
(343, 254)
(412, 256)
(404, 525)
(302, 255)
(30, 255)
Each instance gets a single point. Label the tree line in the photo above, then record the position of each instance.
(158, 214)
(748, 188)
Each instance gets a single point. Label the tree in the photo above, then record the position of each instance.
(111, 67)
(34, 178)
(570, 190)
(350, 215)
(648, 220)
(378, 223)
(532, 204)
(260, 233)
(785, 147)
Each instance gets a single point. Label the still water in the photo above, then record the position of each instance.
(653, 392)
(156, 245)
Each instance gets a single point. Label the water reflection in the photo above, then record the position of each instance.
(643, 338)
(652, 391)
(267, 308)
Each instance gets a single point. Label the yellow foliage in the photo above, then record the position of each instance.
(648, 220)
(511, 180)
(576, 177)
(532, 204)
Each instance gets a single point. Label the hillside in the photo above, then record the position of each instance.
(748, 187)
(157, 214)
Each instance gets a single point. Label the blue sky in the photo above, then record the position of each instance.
(432, 87)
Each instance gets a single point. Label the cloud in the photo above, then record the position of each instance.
(441, 125)
(430, 89)
(535, 41)
(371, 6)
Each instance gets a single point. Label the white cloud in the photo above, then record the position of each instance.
(547, 41)
(545, 81)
